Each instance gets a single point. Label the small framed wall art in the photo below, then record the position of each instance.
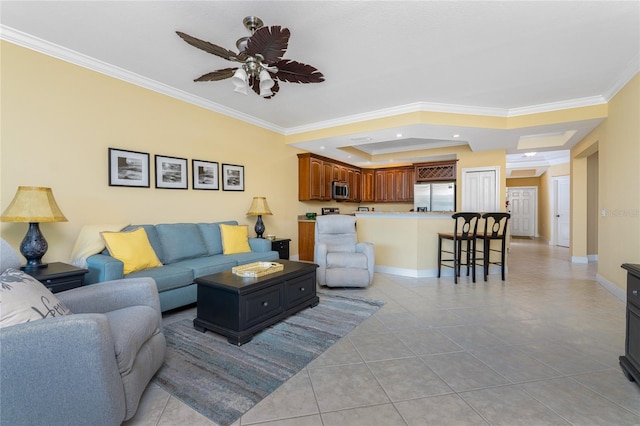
(171, 172)
(232, 177)
(205, 175)
(128, 168)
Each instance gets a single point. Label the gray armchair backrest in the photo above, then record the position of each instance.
(338, 232)
(9, 258)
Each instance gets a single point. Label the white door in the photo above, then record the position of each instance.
(523, 206)
(480, 190)
(562, 219)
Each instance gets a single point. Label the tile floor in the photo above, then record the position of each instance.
(539, 349)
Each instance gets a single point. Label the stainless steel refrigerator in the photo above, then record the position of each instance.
(434, 197)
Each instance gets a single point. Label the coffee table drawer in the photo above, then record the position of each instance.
(299, 289)
(262, 305)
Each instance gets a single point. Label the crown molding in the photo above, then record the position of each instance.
(39, 45)
(557, 106)
(34, 43)
(629, 72)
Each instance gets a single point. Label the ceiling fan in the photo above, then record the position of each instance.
(260, 57)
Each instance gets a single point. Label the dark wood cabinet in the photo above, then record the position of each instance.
(58, 276)
(281, 245)
(630, 362)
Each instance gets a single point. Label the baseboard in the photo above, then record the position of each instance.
(612, 288)
(592, 257)
(295, 257)
(431, 273)
(579, 259)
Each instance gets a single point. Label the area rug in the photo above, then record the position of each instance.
(223, 381)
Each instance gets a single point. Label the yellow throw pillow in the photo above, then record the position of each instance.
(235, 239)
(132, 248)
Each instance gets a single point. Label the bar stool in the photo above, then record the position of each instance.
(495, 228)
(465, 229)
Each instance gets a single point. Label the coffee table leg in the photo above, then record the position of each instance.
(198, 326)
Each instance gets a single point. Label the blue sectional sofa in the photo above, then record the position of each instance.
(187, 251)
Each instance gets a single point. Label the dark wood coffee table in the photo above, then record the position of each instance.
(238, 307)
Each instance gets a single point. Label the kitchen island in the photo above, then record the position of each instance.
(406, 243)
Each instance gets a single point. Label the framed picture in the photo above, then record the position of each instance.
(205, 175)
(128, 168)
(232, 177)
(171, 172)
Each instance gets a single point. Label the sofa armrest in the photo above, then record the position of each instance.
(113, 295)
(259, 245)
(60, 371)
(103, 268)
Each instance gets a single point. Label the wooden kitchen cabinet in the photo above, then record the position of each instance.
(368, 185)
(315, 174)
(394, 185)
(306, 239)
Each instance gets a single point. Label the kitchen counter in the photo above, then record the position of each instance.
(405, 243)
(406, 215)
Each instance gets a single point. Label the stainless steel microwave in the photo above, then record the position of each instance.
(339, 190)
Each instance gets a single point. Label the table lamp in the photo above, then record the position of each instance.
(258, 208)
(33, 205)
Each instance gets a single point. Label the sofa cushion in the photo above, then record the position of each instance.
(153, 238)
(132, 248)
(131, 327)
(24, 299)
(212, 237)
(167, 277)
(235, 239)
(181, 241)
(208, 265)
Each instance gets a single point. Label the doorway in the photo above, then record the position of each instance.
(523, 206)
(562, 211)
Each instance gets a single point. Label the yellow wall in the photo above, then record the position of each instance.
(617, 142)
(532, 181)
(58, 121)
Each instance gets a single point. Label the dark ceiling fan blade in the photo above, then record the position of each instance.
(297, 72)
(208, 47)
(270, 42)
(255, 85)
(217, 75)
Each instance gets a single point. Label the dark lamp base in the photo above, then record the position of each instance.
(33, 247)
(259, 227)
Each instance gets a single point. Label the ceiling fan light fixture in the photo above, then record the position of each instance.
(266, 83)
(239, 81)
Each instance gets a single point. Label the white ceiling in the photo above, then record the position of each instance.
(379, 58)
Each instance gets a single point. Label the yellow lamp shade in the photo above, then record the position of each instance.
(33, 204)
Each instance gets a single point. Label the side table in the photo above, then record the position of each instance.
(58, 276)
(281, 245)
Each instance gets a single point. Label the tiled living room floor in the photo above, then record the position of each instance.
(541, 348)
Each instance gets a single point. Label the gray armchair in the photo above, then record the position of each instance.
(87, 368)
(342, 260)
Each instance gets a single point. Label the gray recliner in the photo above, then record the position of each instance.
(87, 368)
(342, 260)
